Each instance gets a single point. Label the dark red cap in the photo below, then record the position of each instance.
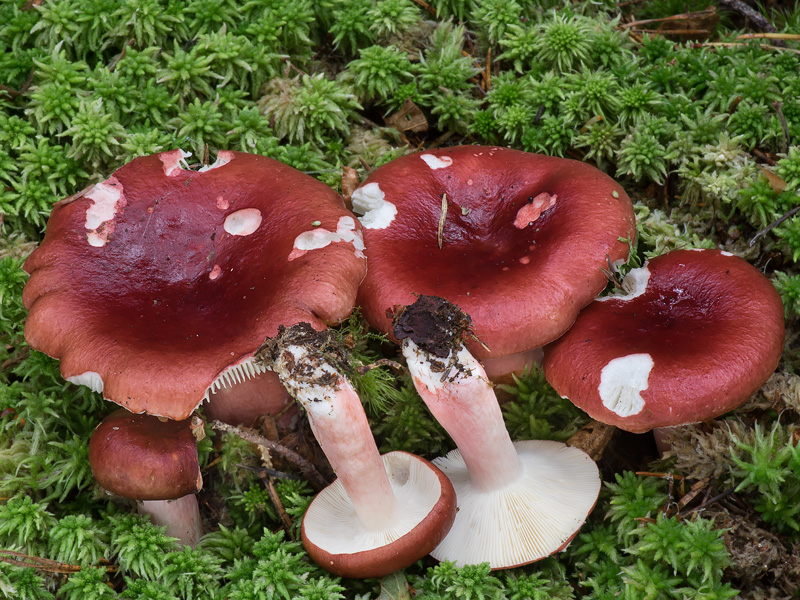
(699, 332)
(144, 458)
(154, 282)
(523, 239)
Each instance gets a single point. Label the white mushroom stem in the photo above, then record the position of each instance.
(463, 401)
(181, 517)
(341, 428)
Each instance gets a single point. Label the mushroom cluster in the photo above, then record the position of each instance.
(159, 286)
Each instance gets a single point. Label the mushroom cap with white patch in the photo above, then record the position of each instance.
(521, 246)
(694, 336)
(155, 283)
(337, 540)
(525, 521)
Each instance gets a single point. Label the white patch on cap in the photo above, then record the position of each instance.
(242, 222)
(223, 158)
(622, 381)
(174, 161)
(317, 238)
(634, 284)
(370, 202)
(106, 200)
(215, 272)
(436, 162)
(724, 253)
(90, 379)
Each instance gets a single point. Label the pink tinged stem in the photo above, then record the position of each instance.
(342, 430)
(181, 517)
(468, 410)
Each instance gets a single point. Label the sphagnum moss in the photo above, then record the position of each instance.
(85, 88)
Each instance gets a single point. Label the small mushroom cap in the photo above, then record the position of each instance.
(526, 521)
(697, 334)
(144, 458)
(523, 240)
(151, 285)
(336, 540)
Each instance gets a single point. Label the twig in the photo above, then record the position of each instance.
(121, 55)
(442, 217)
(680, 17)
(712, 500)
(19, 559)
(426, 6)
(773, 225)
(487, 74)
(309, 470)
(382, 362)
(276, 501)
(14, 93)
(769, 36)
(784, 126)
(749, 12)
(775, 47)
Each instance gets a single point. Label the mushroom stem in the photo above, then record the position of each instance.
(301, 359)
(181, 517)
(462, 400)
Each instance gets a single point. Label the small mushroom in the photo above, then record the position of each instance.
(517, 240)
(153, 462)
(695, 335)
(518, 502)
(382, 513)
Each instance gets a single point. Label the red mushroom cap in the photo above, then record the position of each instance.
(523, 241)
(153, 283)
(144, 458)
(699, 332)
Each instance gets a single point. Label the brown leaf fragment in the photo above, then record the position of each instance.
(350, 182)
(777, 184)
(592, 438)
(408, 118)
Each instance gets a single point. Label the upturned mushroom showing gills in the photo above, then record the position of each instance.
(696, 334)
(518, 502)
(517, 240)
(157, 286)
(155, 463)
(382, 513)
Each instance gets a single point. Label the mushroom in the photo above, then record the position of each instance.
(518, 502)
(382, 513)
(157, 286)
(695, 335)
(155, 463)
(517, 240)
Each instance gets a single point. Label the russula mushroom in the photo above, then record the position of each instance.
(518, 502)
(517, 240)
(154, 462)
(696, 334)
(382, 513)
(157, 286)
